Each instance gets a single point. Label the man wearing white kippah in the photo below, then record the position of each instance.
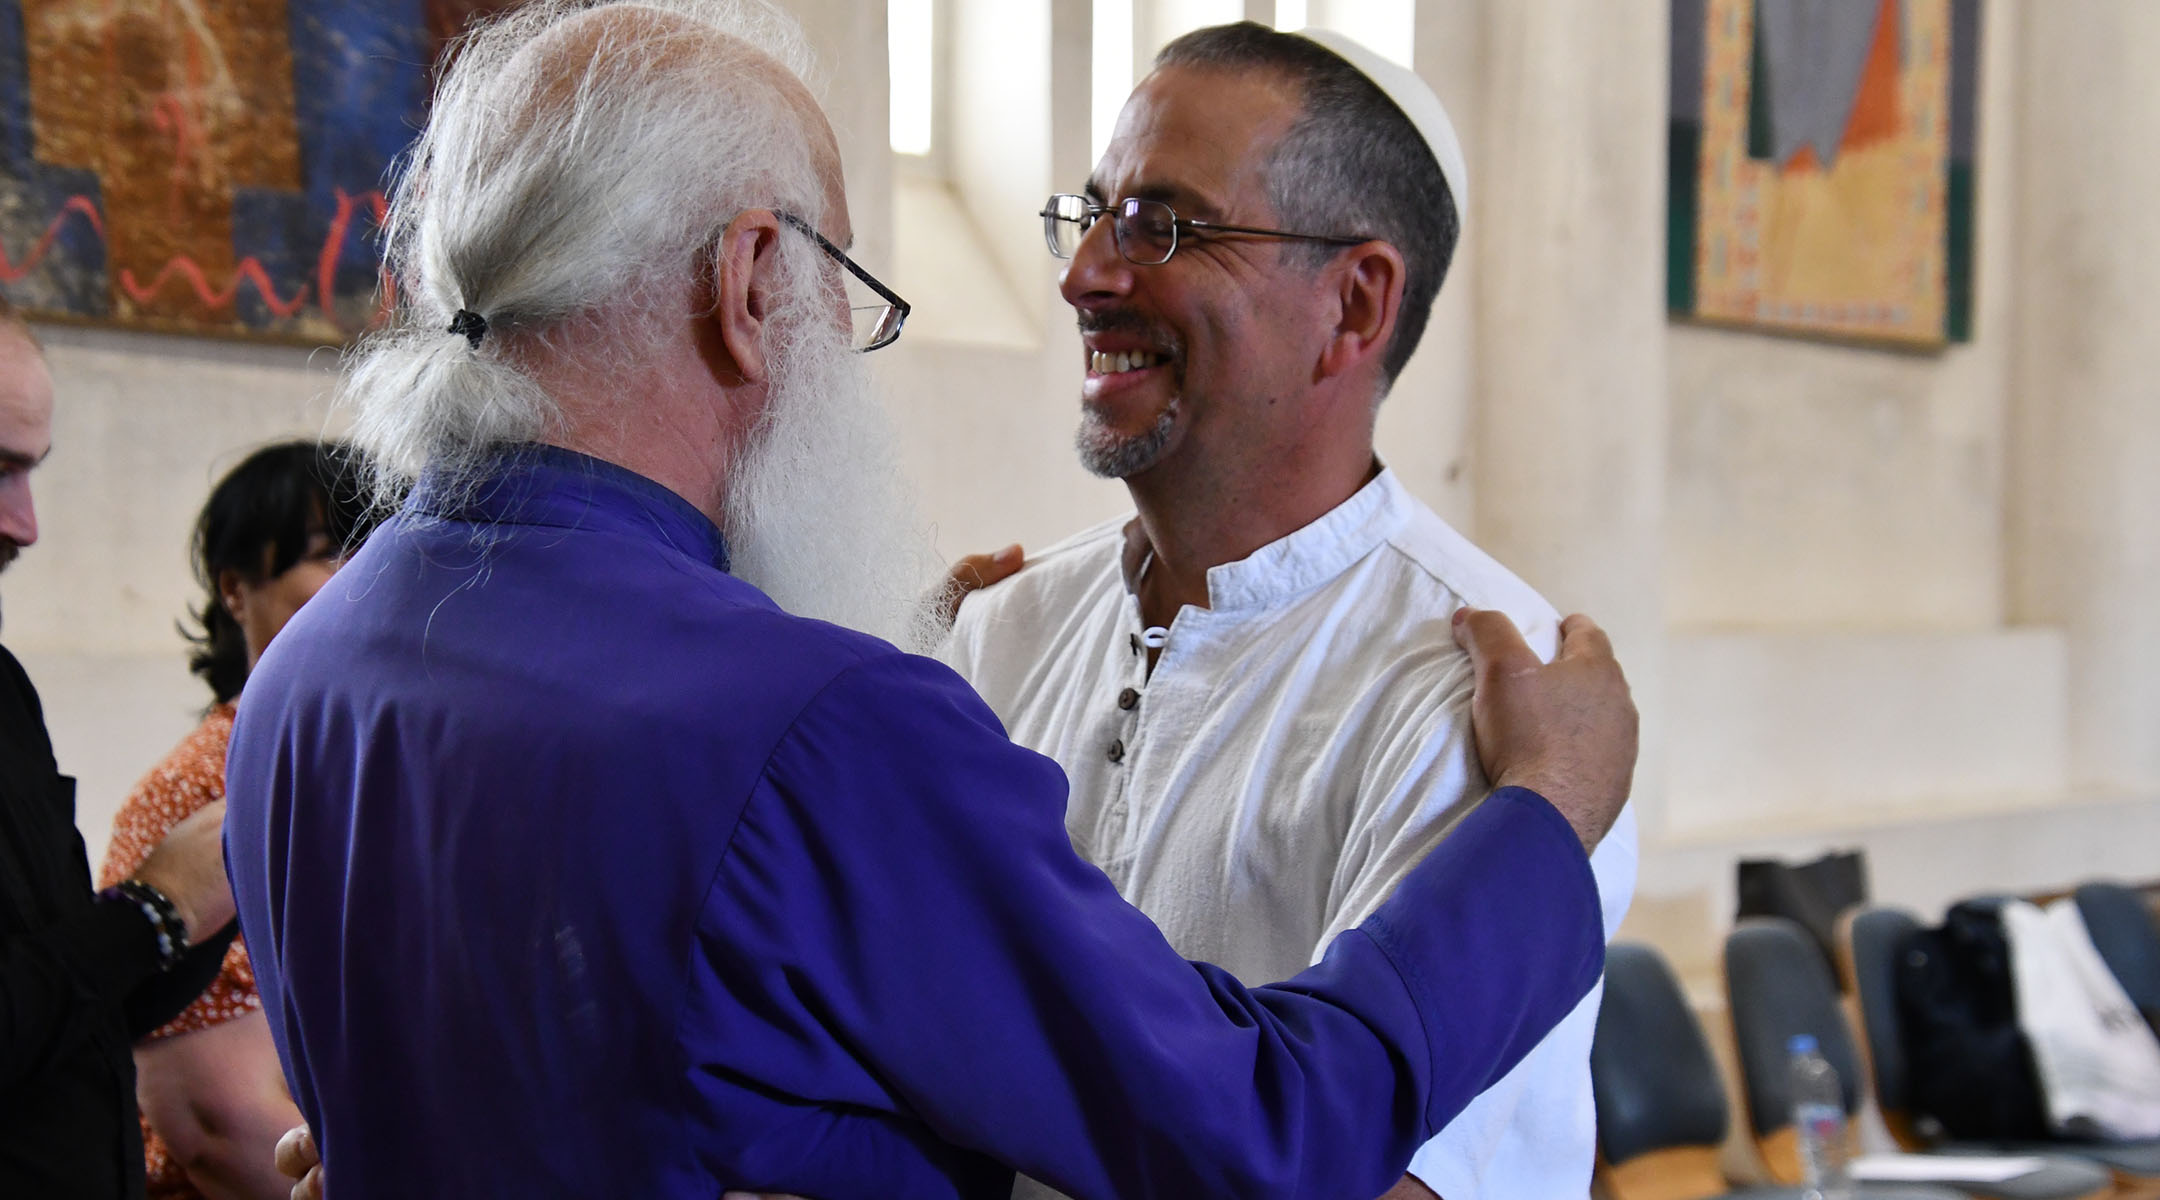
(1249, 680)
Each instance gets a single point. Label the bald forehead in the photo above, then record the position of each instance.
(1199, 137)
(19, 353)
(638, 37)
(26, 398)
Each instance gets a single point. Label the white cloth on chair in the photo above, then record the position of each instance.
(2098, 1062)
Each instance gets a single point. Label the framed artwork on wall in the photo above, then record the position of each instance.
(208, 166)
(1821, 167)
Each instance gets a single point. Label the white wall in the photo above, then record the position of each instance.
(1823, 486)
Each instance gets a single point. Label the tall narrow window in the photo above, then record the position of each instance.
(1113, 58)
(910, 41)
(1387, 27)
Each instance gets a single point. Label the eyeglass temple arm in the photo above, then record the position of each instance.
(1216, 227)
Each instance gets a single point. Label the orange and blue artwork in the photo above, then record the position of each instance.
(208, 166)
(1822, 166)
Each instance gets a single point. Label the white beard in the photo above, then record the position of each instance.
(818, 515)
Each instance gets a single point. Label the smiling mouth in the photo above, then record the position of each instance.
(1118, 363)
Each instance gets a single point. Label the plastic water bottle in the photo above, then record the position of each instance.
(1818, 1120)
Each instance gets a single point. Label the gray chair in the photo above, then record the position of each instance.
(1870, 940)
(2128, 939)
(1661, 1107)
(1779, 985)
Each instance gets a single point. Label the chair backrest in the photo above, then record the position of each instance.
(1870, 942)
(1780, 985)
(1660, 1105)
(2124, 933)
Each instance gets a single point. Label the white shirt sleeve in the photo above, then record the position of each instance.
(1534, 1132)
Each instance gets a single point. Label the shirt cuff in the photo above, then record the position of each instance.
(106, 949)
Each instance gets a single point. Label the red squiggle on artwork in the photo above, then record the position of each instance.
(334, 243)
(249, 270)
(78, 205)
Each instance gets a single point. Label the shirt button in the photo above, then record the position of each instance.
(1117, 752)
(1127, 698)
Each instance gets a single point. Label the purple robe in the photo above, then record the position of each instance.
(572, 866)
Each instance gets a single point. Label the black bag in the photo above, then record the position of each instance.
(1969, 1070)
(1812, 893)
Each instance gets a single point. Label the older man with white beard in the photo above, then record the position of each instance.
(579, 860)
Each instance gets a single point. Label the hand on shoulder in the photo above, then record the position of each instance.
(1566, 730)
(971, 574)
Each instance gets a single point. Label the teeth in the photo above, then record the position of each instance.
(1100, 363)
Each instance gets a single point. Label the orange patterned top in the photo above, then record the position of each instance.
(191, 776)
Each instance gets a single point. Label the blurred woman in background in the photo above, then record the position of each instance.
(212, 1092)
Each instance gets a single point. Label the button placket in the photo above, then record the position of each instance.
(1123, 813)
(1128, 697)
(1128, 702)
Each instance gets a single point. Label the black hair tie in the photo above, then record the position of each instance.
(471, 324)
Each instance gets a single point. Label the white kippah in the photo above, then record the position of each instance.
(1417, 102)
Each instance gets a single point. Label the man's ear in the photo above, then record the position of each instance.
(1368, 293)
(232, 595)
(745, 264)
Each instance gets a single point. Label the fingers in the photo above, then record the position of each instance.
(975, 571)
(1580, 637)
(310, 1187)
(972, 573)
(1492, 641)
(296, 1153)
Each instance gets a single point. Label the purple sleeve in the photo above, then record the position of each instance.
(901, 883)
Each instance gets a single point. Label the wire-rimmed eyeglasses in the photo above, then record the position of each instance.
(876, 326)
(1146, 230)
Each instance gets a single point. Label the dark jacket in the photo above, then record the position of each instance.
(78, 982)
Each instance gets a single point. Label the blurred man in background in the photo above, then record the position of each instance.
(82, 974)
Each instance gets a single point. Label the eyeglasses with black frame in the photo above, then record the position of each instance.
(1147, 231)
(875, 326)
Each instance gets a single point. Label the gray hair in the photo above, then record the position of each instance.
(1351, 163)
(554, 186)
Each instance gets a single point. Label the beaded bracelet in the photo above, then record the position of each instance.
(163, 916)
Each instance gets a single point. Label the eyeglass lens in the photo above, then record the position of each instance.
(1066, 220)
(874, 320)
(1146, 230)
(876, 325)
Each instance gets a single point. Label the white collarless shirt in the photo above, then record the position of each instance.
(1302, 742)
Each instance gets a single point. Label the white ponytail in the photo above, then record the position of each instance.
(548, 189)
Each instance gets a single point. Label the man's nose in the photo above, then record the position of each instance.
(1097, 272)
(18, 513)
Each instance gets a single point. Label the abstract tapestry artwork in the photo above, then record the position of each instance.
(1821, 166)
(208, 166)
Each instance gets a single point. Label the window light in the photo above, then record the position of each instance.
(1113, 61)
(909, 43)
(1387, 27)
